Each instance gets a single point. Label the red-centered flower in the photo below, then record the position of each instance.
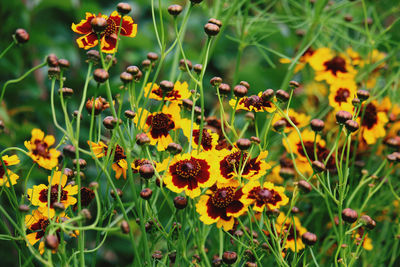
(267, 195)
(209, 139)
(252, 103)
(189, 173)
(108, 38)
(221, 206)
(179, 92)
(5, 173)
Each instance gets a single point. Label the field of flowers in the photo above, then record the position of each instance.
(200, 133)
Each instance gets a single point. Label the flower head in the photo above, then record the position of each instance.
(268, 195)
(108, 37)
(253, 103)
(40, 151)
(373, 122)
(341, 95)
(5, 173)
(179, 92)
(293, 229)
(299, 119)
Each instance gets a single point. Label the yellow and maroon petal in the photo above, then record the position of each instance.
(87, 41)
(109, 43)
(84, 27)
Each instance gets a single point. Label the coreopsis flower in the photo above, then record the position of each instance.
(341, 95)
(291, 227)
(158, 125)
(222, 205)
(5, 173)
(230, 161)
(40, 151)
(358, 235)
(331, 67)
(39, 194)
(108, 38)
(120, 165)
(267, 195)
(373, 123)
(253, 103)
(37, 223)
(179, 92)
(299, 119)
(190, 173)
(294, 145)
(209, 139)
(303, 60)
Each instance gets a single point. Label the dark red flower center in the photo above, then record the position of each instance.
(292, 231)
(341, 95)
(206, 139)
(234, 160)
(370, 116)
(222, 197)
(160, 121)
(119, 153)
(336, 64)
(322, 153)
(111, 27)
(188, 168)
(43, 195)
(87, 195)
(2, 170)
(174, 94)
(41, 149)
(293, 119)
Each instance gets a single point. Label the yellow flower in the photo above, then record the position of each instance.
(268, 195)
(304, 59)
(253, 103)
(209, 140)
(291, 227)
(341, 95)
(299, 119)
(39, 194)
(373, 123)
(179, 92)
(6, 173)
(40, 151)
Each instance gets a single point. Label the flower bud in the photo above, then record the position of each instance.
(255, 139)
(279, 125)
(180, 202)
(21, 35)
(69, 151)
(349, 215)
(182, 65)
(86, 214)
(224, 89)
(66, 92)
(146, 171)
(129, 114)
(368, 222)
(294, 84)
(216, 81)
(198, 68)
(355, 102)
(229, 257)
(362, 94)
(59, 207)
(99, 24)
(138, 76)
(51, 242)
(305, 186)
(342, 116)
(110, 122)
(69, 173)
(124, 8)
(216, 22)
(23, 208)
(93, 56)
(287, 172)
(157, 255)
(53, 72)
(351, 126)
(146, 64)
(125, 228)
(282, 95)
(100, 75)
(166, 86)
(211, 29)
(52, 60)
(309, 238)
(76, 113)
(268, 94)
(126, 77)
(132, 70)
(243, 144)
(295, 210)
(317, 125)
(174, 148)
(146, 193)
(119, 193)
(152, 56)
(98, 106)
(250, 264)
(174, 10)
(142, 139)
(245, 84)
(240, 90)
(63, 63)
(318, 166)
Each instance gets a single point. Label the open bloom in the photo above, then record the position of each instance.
(40, 151)
(267, 195)
(292, 228)
(221, 206)
(252, 103)
(209, 139)
(179, 92)
(39, 194)
(373, 123)
(5, 173)
(159, 124)
(299, 119)
(108, 38)
(37, 223)
(190, 172)
(120, 164)
(341, 95)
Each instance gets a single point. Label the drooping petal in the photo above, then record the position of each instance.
(87, 41)
(84, 27)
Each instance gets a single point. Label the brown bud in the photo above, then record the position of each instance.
(93, 56)
(66, 91)
(183, 63)
(86, 214)
(157, 255)
(349, 215)
(22, 36)
(342, 116)
(393, 142)
(287, 172)
(125, 228)
(119, 193)
(250, 264)
(294, 84)
(240, 90)
(99, 24)
(348, 18)
(229, 257)
(216, 81)
(318, 166)
(94, 185)
(243, 143)
(129, 114)
(295, 210)
(245, 84)
(100, 75)
(368, 222)
(69, 173)
(255, 139)
(268, 94)
(126, 77)
(282, 95)
(317, 125)
(198, 68)
(52, 60)
(174, 148)
(393, 157)
(351, 125)
(279, 125)
(132, 70)
(82, 163)
(76, 113)
(174, 10)
(224, 89)
(355, 102)
(23, 208)
(305, 186)
(166, 86)
(309, 238)
(180, 202)
(216, 22)
(152, 56)
(217, 262)
(69, 151)
(211, 29)
(146, 193)
(109, 58)
(51, 242)
(110, 122)
(124, 8)
(59, 207)
(146, 171)
(249, 116)
(142, 139)
(63, 63)
(53, 72)
(362, 94)
(138, 76)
